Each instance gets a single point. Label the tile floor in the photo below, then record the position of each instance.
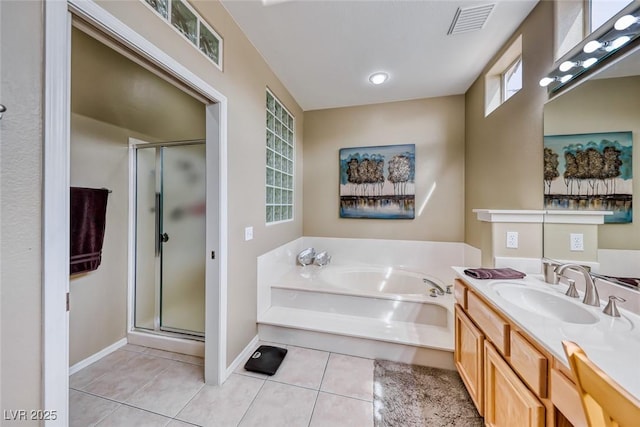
(139, 386)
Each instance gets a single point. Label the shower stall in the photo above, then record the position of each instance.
(170, 195)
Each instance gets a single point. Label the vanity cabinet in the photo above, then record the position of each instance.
(504, 372)
(508, 402)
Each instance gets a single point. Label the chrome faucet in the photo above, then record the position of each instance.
(437, 287)
(591, 292)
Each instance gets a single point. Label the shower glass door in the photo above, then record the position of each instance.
(170, 238)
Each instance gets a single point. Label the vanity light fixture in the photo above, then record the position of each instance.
(609, 39)
(609, 46)
(625, 22)
(378, 78)
(567, 65)
(546, 81)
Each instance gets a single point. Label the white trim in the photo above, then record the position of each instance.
(502, 215)
(97, 356)
(575, 217)
(131, 243)
(55, 212)
(166, 343)
(244, 355)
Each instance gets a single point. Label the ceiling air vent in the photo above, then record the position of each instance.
(470, 19)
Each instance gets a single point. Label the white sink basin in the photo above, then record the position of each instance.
(546, 304)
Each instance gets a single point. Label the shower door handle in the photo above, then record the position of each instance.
(164, 237)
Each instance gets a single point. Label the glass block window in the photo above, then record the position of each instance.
(280, 162)
(187, 22)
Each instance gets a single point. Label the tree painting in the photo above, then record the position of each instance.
(377, 182)
(590, 171)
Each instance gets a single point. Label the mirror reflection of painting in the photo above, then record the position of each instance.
(590, 172)
(378, 182)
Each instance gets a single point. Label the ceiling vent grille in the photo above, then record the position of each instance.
(470, 19)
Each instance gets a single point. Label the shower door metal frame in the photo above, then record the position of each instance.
(157, 315)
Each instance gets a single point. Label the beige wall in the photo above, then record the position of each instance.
(21, 89)
(243, 82)
(557, 242)
(529, 240)
(603, 105)
(435, 126)
(503, 151)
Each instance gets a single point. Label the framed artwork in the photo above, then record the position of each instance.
(378, 182)
(591, 171)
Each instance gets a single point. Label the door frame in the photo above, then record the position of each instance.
(56, 181)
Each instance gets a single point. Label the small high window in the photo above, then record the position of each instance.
(504, 78)
(512, 80)
(280, 162)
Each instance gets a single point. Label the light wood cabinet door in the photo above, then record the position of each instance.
(468, 356)
(507, 401)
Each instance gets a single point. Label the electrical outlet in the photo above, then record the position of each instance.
(576, 242)
(248, 233)
(512, 239)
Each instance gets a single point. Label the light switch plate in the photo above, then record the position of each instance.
(512, 239)
(248, 233)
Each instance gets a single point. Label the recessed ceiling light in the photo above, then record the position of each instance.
(378, 78)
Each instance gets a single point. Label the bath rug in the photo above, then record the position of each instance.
(410, 395)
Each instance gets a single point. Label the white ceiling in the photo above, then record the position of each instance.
(324, 51)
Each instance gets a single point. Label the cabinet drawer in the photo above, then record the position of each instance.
(529, 363)
(492, 325)
(565, 397)
(508, 402)
(460, 293)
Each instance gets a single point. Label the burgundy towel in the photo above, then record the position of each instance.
(88, 217)
(494, 273)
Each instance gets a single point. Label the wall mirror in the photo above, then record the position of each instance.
(606, 101)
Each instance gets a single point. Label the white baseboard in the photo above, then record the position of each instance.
(97, 356)
(166, 343)
(243, 356)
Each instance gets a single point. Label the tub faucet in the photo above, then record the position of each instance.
(591, 292)
(437, 287)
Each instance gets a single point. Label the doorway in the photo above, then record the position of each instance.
(55, 278)
(170, 198)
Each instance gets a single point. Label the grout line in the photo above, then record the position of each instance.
(252, 402)
(188, 402)
(315, 402)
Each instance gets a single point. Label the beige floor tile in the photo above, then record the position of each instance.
(171, 390)
(302, 367)
(81, 379)
(126, 416)
(124, 380)
(178, 423)
(337, 411)
(222, 405)
(280, 405)
(86, 410)
(349, 376)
